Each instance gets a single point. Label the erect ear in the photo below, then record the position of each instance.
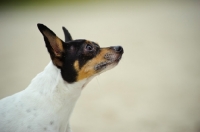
(53, 43)
(68, 36)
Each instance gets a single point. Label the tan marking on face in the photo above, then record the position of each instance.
(76, 65)
(88, 69)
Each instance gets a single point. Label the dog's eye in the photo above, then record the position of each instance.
(89, 47)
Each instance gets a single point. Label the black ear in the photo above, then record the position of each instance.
(68, 36)
(53, 44)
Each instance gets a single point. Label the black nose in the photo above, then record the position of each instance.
(118, 49)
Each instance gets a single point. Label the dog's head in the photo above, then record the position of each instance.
(79, 59)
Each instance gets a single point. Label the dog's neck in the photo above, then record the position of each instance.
(50, 83)
(56, 95)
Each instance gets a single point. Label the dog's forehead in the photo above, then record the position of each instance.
(80, 43)
(94, 43)
(77, 42)
(91, 42)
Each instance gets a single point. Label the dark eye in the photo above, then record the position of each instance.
(89, 47)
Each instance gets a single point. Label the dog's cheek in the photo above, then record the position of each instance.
(86, 72)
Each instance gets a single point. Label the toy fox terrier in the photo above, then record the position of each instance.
(47, 103)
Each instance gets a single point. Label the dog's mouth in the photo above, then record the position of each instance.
(111, 60)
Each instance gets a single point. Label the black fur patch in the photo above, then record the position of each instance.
(75, 50)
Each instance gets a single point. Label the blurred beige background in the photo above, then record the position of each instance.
(156, 86)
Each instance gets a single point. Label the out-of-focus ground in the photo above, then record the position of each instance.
(156, 86)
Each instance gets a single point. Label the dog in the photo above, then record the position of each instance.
(47, 103)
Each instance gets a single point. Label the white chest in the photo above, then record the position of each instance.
(46, 105)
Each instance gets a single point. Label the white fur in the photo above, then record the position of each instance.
(45, 105)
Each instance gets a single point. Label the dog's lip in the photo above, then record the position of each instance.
(119, 58)
(112, 61)
(103, 65)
